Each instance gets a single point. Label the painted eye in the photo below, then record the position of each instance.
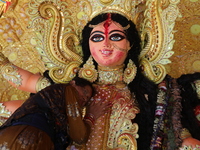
(97, 38)
(117, 37)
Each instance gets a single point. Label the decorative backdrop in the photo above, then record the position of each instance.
(23, 35)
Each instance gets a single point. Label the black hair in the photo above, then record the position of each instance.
(83, 82)
(189, 101)
(141, 86)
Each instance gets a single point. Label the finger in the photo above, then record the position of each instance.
(107, 104)
(107, 107)
(92, 103)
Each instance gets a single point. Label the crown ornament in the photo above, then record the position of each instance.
(85, 10)
(126, 8)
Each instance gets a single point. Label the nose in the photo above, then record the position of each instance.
(107, 43)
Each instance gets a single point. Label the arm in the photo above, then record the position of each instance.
(28, 80)
(12, 105)
(80, 128)
(18, 77)
(77, 129)
(188, 140)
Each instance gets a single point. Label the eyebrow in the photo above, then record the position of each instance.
(109, 32)
(116, 31)
(96, 32)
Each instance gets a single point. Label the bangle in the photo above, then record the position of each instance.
(4, 114)
(10, 73)
(91, 115)
(185, 134)
(42, 83)
(90, 118)
(73, 110)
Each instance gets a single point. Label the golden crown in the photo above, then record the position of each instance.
(126, 8)
(79, 12)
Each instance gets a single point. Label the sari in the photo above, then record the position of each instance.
(43, 121)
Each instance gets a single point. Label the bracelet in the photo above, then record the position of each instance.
(4, 114)
(185, 134)
(90, 118)
(42, 83)
(72, 110)
(91, 115)
(10, 73)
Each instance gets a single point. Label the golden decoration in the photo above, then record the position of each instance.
(4, 114)
(3, 60)
(117, 75)
(49, 32)
(4, 5)
(73, 110)
(42, 83)
(10, 73)
(185, 134)
(127, 141)
(9, 93)
(108, 75)
(63, 21)
(130, 72)
(158, 38)
(61, 58)
(88, 71)
(124, 132)
(62, 25)
(186, 48)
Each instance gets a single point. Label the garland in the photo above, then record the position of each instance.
(162, 99)
(176, 113)
(167, 124)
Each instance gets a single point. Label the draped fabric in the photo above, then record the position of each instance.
(44, 117)
(24, 137)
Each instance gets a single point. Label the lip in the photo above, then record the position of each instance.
(106, 52)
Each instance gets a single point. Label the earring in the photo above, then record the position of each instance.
(130, 72)
(88, 71)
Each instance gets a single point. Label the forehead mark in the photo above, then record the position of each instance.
(107, 24)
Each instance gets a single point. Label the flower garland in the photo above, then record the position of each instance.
(167, 124)
(176, 113)
(159, 117)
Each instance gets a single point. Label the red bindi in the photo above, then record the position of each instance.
(107, 24)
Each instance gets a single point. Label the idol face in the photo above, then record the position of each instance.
(108, 44)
